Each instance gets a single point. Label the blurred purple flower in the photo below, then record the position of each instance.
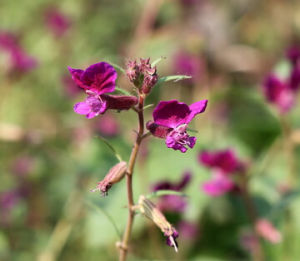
(279, 93)
(22, 166)
(97, 80)
(57, 22)
(218, 185)
(173, 203)
(20, 61)
(8, 200)
(188, 64)
(108, 126)
(224, 160)
(188, 230)
(293, 54)
(171, 119)
(224, 163)
(71, 89)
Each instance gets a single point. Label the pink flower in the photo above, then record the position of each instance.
(218, 185)
(57, 22)
(267, 231)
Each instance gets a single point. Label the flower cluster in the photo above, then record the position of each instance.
(224, 164)
(281, 92)
(170, 122)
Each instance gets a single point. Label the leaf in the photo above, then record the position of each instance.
(165, 192)
(123, 91)
(148, 106)
(157, 61)
(192, 130)
(102, 211)
(117, 155)
(284, 202)
(174, 78)
(117, 67)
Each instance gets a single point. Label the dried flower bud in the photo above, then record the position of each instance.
(142, 75)
(150, 210)
(133, 73)
(115, 174)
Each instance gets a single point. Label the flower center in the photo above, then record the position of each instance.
(178, 139)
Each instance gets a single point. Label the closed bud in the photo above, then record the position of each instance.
(150, 210)
(115, 174)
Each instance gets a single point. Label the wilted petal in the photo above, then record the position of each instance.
(115, 102)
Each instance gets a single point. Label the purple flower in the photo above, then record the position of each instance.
(188, 64)
(218, 185)
(173, 203)
(108, 126)
(293, 54)
(19, 60)
(8, 200)
(57, 22)
(23, 165)
(224, 160)
(224, 163)
(279, 93)
(97, 80)
(71, 89)
(171, 119)
(188, 229)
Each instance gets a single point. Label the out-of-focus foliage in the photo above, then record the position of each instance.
(51, 158)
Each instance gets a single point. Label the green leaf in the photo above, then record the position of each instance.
(160, 193)
(148, 106)
(284, 203)
(192, 130)
(117, 67)
(114, 151)
(110, 219)
(123, 91)
(157, 61)
(174, 78)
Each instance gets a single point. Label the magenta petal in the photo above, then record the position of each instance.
(196, 108)
(100, 78)
(171, 113)
(76, 75)
(82, 108)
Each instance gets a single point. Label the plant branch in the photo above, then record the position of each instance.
(129, 172)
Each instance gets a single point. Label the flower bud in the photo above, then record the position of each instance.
(150, 210)
(115, 174)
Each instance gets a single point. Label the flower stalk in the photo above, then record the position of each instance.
(129, 173)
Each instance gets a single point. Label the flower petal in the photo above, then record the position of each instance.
(171, 113)
(196, 108)
(100, 78)
(82, 108)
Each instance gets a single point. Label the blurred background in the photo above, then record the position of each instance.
(51, 157)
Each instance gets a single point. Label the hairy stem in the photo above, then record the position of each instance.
(129, 172)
